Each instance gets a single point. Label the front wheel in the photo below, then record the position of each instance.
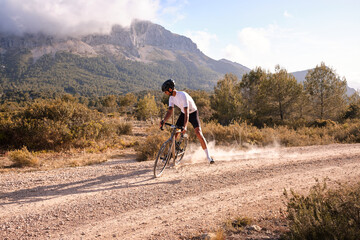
(180, 148)
(162, 158)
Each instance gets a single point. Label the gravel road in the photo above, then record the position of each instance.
(120, 199)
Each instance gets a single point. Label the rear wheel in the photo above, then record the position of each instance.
(162, 158)
(180, 149)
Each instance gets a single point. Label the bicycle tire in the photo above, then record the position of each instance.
(180, 152)
(162, 158)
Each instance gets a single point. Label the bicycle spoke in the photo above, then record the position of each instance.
(162, 159)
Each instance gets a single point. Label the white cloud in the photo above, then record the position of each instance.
(267, 47)
(203, 39)
(234, 52)
(72, 16)
(287, 14)
(172, 12)
(255, 39)
(295, 51)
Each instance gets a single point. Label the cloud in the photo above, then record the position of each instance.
(234, 52)
(287, 14)
(294, 50)
(272, 45)
(203, 39)
(69, 17)
(172, 12)
(255, 39)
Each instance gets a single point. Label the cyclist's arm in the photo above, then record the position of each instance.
(167, 115)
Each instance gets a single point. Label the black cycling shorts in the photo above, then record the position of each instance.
(193, 119)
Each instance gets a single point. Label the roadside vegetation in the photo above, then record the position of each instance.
(261, 109)
(324, 213)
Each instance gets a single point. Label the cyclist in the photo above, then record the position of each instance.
(188, 114)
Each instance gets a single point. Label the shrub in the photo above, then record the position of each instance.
(124, 128)
(324, 213)
(56, 125)
(23, 158)
(243, 134)
(148, 148)
(322, 123)
(238, 133)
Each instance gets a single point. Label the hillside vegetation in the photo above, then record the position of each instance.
(241, 112)
(128, 59)
(97, 76)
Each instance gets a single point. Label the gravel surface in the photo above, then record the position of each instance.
(120, 199)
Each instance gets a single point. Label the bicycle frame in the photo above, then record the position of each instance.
(172, 138)
(170, 149)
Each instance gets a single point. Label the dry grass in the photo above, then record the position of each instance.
(242, 134)
(149, 147)
(95, 152)
(23, 158)
(54, 160)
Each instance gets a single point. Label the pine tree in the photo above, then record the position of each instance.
(226, 100)
(280, 93)
(252, 101)
(326, 91)
(147, 108)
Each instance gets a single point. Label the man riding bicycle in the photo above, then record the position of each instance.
(188, 114)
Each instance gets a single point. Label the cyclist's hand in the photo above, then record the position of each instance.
(162, 122)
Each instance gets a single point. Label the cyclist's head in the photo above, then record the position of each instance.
(167, 85)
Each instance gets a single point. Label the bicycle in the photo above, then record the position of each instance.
(170, 149)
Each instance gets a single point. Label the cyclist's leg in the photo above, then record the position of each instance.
(194, 119)
(180, 123)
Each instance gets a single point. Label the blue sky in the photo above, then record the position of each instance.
(296, 34)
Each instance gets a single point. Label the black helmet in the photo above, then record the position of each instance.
(168, 84)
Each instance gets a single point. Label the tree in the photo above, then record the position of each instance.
(353, 110)
(147, 108)
(281, 92)
(109, 104)
(226, 100)
(249, 86)
(326, 91)
(127, 103)
(202, 101)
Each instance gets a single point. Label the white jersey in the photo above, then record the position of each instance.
(182, 100)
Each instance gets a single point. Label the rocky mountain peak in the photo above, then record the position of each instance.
(139, 34)
(147, 33)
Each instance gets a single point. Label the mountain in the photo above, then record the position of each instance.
(300, 77)
(139, 57)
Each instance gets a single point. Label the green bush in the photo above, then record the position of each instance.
(324, 213)
(23, 158)
(57, 124)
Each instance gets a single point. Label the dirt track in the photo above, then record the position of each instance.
(120, 199)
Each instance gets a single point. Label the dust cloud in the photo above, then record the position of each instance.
(195, 154)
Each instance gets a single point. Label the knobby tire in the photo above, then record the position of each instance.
(162, 158)
(179, 153)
